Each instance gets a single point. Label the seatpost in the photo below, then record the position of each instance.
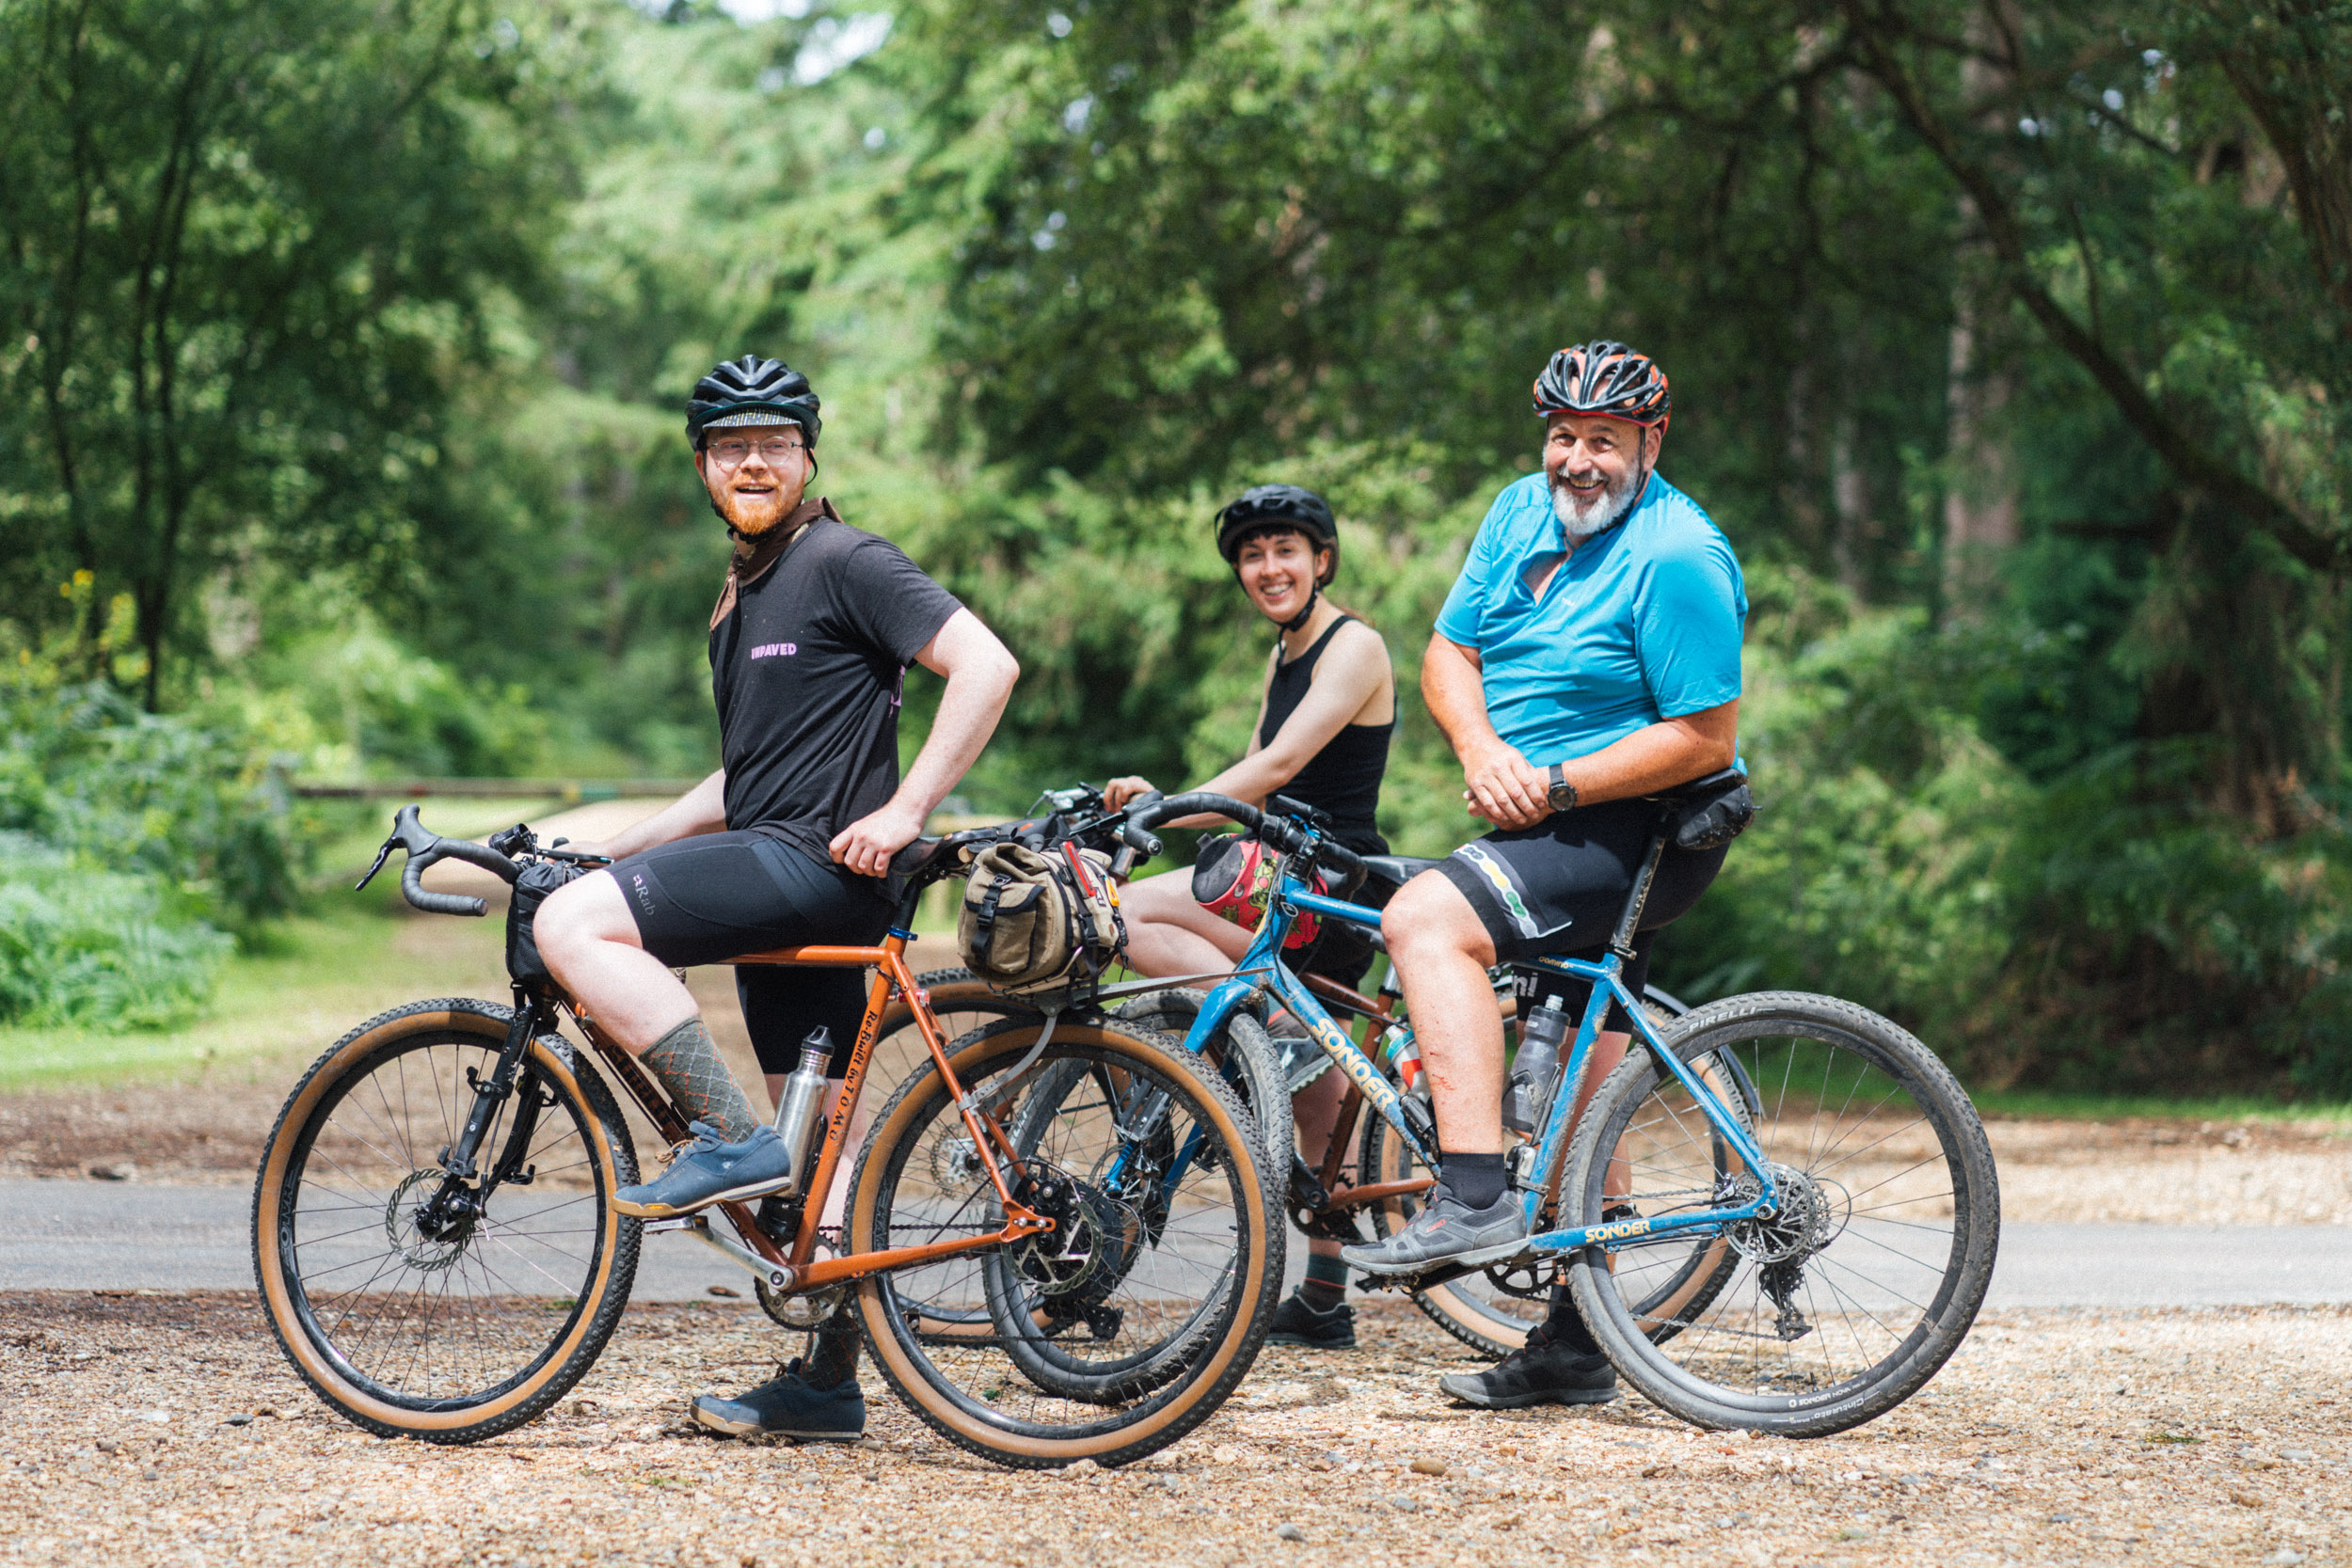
(1621, 941)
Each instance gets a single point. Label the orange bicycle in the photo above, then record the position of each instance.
(1061, 1237)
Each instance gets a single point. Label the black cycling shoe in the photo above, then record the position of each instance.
(1541, 1372)
(1298, 1323)
(787, 1406)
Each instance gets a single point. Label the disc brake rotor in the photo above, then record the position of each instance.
(403, 1213)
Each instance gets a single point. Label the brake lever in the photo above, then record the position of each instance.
(381, 856)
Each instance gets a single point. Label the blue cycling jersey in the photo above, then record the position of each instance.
(1641, 624)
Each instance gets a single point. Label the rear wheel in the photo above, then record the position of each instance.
(417, 1307)
(1148, 1299)
(1846, 1296)
(1494, 1315)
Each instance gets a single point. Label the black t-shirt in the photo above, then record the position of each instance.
(806, 666)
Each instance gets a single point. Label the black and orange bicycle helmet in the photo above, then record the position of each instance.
(1604, 378)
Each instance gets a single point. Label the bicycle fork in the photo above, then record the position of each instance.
(464, 1191)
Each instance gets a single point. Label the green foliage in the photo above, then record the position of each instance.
(374, 459)
(130, 847)
(249, 247)
(85, 946)
(2092, 932)
(184, 800)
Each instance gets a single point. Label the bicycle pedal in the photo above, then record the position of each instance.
(676, 1222)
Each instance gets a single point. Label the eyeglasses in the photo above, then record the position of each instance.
(729, 452)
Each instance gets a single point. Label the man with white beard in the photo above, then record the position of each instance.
(1588, 656)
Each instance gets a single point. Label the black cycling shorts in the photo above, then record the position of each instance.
(710, 898)
(1557, 889)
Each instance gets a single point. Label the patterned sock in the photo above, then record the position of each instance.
(686, 1062)
(833, 1360)
(1566, 1326)
(1326, 1285)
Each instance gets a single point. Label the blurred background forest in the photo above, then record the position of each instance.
(342, 344)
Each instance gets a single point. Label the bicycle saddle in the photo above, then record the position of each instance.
(1399, 869)
(916, 857)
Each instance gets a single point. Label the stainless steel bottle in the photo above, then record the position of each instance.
(802, 1107)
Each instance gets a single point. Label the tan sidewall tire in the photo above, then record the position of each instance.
(487, 1021)
(1204, 1390)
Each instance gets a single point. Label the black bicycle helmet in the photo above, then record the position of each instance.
(752, 390)
(1263, 506)
(1607, 378)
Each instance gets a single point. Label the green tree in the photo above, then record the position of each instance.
(246, 248)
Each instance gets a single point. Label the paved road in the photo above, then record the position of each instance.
(94, 1235)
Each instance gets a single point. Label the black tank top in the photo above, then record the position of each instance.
(1343, 778)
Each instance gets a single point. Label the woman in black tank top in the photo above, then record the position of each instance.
(1325, 720)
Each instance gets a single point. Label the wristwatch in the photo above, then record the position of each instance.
(1562, 795)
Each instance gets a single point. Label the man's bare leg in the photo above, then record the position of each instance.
(590, 942)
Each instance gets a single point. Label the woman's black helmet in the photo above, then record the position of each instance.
(1605, 378)
(752, 390)
(1285, 506)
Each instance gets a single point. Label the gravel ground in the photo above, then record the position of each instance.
(165, 1428)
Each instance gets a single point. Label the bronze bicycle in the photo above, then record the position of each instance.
(1042, 1277)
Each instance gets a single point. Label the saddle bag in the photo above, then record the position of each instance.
(1709, 812)
(1036, 921)
(538, 879)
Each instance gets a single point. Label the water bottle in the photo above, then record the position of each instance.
(1527, 1098)
(1404, 1052)
(802, 1106)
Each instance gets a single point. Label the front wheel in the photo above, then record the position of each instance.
(417, 1305)
(1857, 1284)
(1147, 1301)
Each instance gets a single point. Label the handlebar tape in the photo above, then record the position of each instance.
(1285, 835)
(1196, 802)
(413, 889)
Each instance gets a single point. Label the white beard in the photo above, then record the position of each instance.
(1583, 519)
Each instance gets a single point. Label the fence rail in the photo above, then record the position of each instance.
(569, 791)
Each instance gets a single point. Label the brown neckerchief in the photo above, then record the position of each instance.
(753, 557)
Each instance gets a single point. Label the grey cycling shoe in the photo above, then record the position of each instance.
(1448, 1230)
(787, 1406)
(709, 1171)
(1540, 1372)
(1303, 1060)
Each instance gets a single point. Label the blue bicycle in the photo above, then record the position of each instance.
(1780, 1212)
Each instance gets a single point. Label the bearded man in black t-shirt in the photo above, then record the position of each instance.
(787, 842)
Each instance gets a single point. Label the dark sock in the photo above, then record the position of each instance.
(1475, 1180)
(1326, 1285)
(833, 1360)
(1567, 1327)
(686, 1062)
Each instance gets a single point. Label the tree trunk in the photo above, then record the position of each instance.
(1981, 493)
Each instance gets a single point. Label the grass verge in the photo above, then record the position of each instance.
(305, 985)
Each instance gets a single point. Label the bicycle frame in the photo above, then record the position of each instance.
(801, 1269)
(1260, 970)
